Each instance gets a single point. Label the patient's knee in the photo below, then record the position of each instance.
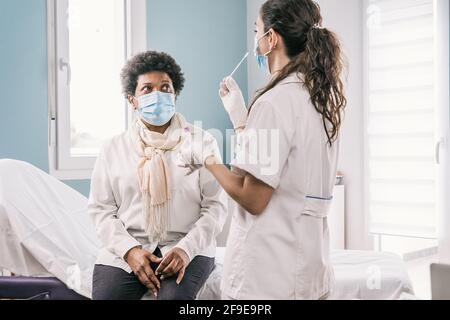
(171, 291)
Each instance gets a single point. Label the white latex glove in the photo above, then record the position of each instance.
(195, 151)
(234, 102)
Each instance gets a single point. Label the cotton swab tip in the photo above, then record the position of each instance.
(239, 64)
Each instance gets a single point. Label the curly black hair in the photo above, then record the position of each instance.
(146, 62)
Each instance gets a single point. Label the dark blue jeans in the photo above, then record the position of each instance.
(111, 283)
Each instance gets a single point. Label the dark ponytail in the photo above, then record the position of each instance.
(315, 52)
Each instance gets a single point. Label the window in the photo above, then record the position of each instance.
(400, 117)
(89, 42)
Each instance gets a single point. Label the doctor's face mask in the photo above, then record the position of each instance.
(261, 59)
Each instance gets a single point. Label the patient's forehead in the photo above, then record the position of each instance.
(154, 78)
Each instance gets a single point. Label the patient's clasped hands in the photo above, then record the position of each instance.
(174, 263)
(140, 262)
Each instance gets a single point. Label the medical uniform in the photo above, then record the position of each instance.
(284, 252)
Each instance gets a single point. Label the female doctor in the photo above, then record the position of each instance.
(286, 161)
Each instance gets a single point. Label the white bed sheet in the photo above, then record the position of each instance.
(44, 227)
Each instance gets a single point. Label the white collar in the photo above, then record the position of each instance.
(294, 77)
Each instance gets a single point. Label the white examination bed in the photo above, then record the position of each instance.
(360, 275)
(45, 232)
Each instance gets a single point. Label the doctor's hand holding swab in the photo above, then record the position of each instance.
(196, 156)
(233, 100)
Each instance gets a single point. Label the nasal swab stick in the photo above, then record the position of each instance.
(239, 64)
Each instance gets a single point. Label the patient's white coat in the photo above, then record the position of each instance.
(198, 203)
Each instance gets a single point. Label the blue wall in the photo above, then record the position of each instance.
(207, 37)
(23, 84)
(23, 81)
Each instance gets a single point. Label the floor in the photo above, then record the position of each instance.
(419, 254)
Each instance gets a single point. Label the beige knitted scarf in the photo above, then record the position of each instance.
(154, 175)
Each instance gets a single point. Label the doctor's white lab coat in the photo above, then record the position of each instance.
(284, 252)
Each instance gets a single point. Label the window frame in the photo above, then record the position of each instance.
(443, 125)
(61, 164)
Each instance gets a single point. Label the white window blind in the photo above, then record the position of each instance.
(400, 117)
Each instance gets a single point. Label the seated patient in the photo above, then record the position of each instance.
(157, 223)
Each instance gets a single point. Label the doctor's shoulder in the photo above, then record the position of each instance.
(284, 98)
(277, 101)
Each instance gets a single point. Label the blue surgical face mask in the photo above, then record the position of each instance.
(157, 108)
(261, 59)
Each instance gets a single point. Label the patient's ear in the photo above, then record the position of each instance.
(133, 102)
